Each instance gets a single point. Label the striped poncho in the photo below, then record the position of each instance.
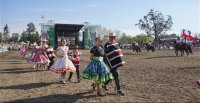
(114, 55)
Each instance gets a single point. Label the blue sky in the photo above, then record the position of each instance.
(113, 14)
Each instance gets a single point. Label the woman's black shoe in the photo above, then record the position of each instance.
(93, 86)
(121, 93)
(99, 94)
(79, 80)
(105, 87)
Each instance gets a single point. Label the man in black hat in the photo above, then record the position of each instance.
(114, 60)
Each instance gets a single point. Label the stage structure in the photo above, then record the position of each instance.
(68, 31)
(92, 33)
(75, 34)
(48, 32)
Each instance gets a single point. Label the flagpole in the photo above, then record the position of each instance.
(185, 39)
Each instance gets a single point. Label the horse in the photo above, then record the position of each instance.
(182, 47)
(136, 48)
(150, 47)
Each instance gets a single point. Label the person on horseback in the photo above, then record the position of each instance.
(177, 41)
(136, 43)
(183, 42)
(149, 43)
(182, 46)
(136, 47)
(149, 46)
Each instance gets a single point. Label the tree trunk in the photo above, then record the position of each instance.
(156, 40)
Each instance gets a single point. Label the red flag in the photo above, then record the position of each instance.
(184, 34)
(190, 37)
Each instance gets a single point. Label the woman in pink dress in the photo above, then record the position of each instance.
(24, 50)
(62, 63)
(40, 57)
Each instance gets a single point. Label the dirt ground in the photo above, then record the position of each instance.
(147, 77)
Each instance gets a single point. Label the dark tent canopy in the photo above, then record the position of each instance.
(67, 29)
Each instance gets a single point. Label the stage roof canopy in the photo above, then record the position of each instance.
(66, 29)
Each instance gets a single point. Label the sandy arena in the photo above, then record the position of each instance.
(147, 77)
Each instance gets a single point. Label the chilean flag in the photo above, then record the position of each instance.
(188, 35)
(191, 37)
(184, 34)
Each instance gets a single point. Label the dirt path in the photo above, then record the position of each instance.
(147, 77)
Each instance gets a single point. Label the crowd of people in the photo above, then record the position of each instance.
(162, 45)
(9, 46)
(102, 69)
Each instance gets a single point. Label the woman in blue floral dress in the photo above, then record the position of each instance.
(97, 69)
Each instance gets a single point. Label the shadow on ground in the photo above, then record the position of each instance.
(27, 86)
(57, 98)
(188, 68)
(17, 70)
(159, 57)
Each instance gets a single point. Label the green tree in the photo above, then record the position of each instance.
(24, 36)
(143, 38)
(6, 32)
(33, 37)
(15, 37)
(30, 34)
(154, 23)
(31, 28)
(125, 39)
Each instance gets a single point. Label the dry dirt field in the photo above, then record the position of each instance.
(147, 77)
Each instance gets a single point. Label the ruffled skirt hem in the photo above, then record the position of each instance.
(60, 70)
(97, 78)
